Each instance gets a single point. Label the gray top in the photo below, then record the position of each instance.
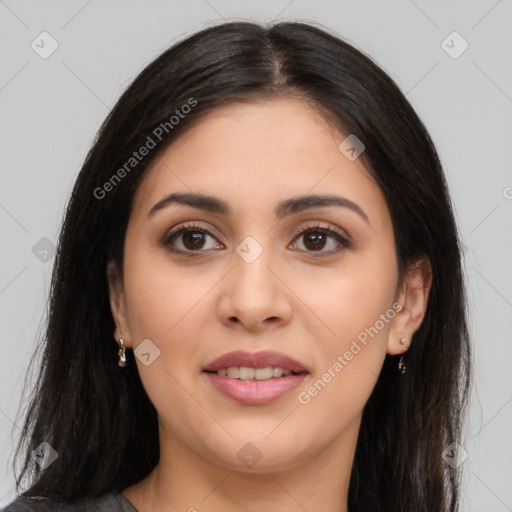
(112, 502)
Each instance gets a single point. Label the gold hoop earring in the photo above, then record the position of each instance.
(122, 353)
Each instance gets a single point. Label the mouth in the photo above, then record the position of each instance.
(255, 378)
(245, 373)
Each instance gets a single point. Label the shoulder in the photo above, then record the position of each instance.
(24, 504)
(112, 502)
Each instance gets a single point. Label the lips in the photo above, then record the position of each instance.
(255, 392)
(255, 360)
(289, 372)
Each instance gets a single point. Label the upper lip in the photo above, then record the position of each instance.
(255, 360)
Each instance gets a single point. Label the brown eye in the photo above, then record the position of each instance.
(189, 239)
(316, 238)
(193, 240)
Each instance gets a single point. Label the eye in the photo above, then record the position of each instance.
(317, 237)
(191, 237)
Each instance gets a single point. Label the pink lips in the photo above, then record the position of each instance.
(255, 360)
(254, 392)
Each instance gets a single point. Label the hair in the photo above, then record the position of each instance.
(99, 418)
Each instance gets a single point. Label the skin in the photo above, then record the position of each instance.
(254, 155)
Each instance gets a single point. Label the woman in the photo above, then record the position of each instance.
(257, 301)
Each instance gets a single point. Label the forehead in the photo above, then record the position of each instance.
(265, 150)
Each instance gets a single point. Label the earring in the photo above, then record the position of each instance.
(401, 363)
(121, 353)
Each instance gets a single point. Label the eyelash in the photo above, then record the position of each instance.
(344, 243)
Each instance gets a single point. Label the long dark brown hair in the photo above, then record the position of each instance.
(99, 418)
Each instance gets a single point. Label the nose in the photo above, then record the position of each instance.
(255, 296)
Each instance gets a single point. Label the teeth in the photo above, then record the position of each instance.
(233, 372)
(244, 373)
(277, 372)
(263, 373)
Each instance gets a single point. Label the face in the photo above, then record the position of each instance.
(261, 270)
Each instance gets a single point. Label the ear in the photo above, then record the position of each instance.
(413, 298)
(118, 303)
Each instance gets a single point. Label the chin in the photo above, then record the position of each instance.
(259, 455)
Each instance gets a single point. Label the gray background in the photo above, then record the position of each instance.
(51, 109)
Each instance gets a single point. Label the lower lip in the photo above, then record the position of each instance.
(255, 392)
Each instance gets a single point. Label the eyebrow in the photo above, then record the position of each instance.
(287, 207)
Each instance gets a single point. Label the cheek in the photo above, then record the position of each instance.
(350, 358)
(349, 299)
(159, 296)
(166, 306)
(355, 307)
